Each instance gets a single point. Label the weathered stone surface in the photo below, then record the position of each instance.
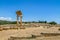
(28, 32)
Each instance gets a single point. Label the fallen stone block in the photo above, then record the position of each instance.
(50, 34)
(23, 36)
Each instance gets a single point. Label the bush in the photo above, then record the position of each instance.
(14, 22)
(42, 21)
(52, 23)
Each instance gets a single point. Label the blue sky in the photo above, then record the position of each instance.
(33, 10)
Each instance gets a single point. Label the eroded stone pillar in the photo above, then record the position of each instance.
(19, 14)
(17, 20)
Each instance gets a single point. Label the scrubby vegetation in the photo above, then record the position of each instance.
(14, 22)
(7, 22)
(52, 23)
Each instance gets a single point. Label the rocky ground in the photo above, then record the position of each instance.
(30, 33)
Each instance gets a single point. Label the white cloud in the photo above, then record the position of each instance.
(6, 18)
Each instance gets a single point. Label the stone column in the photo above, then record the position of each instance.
(21, 21)
(17, 21)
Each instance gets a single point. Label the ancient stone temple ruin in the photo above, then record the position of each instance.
(19, 14)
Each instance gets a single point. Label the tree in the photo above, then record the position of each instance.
(42, 21)
(52, 23)
(33, 21)
(13, 22)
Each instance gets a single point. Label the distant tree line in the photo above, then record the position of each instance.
(2, 22)
(14, 22)
(52, 22)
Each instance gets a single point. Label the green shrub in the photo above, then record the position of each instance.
(52, 23)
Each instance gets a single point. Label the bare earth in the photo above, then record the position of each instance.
(28, 32)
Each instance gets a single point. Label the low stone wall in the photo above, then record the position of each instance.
(50, 34)
(35, 36)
